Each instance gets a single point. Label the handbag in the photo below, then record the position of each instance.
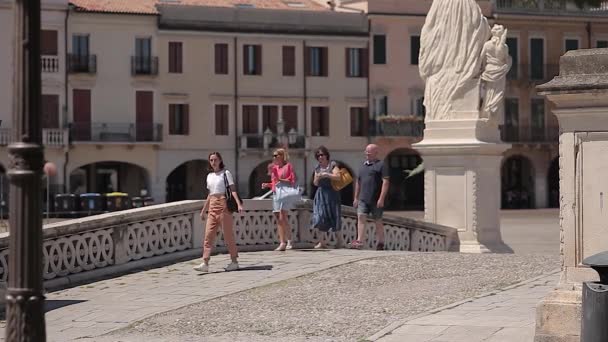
(345, 179)
(231, 203)
(288, 194)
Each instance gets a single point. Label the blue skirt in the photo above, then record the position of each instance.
(327, 211)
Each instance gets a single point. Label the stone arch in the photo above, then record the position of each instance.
(259, 175)
(553, 184)
(405, 193)
(109, 176)
(187, 181)
(517, 182)
(347, 193)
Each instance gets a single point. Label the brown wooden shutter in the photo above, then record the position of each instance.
(347, 62)
(258, 59)
(172, 114)
(180, 58)
(354, 121)
(48, 42)
(50, 111)
(144, 115)
(218, 119)
(365, 121)
(225, 120)
(289, 56)
(307, 68)
(324, 61)
(186, 119)
(250, 119)
(171, 57)
(221, 59)
(315, 120)
(325, 118)
(270, 116)
(365, 62)
(245, 59)
(290, 117)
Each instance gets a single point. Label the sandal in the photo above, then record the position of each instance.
(320, 246)
(281, 248)
(356, 244)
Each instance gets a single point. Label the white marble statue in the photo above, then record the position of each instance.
(496, 63)
(451, 43)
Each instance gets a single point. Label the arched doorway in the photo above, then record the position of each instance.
(405, 193)
(517, 183)
(188, 181)
(553, 184)
(346, 194)
(259, 175)
(104, 177)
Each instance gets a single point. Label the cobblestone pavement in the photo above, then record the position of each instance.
(93, 309)
(506, 316)
(345, 303)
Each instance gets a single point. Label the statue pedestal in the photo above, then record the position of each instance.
(462, 181)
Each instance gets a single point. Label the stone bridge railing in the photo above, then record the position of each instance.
(84, 248)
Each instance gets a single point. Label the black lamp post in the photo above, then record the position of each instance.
(24, 298)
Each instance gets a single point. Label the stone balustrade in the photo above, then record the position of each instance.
(109, 242)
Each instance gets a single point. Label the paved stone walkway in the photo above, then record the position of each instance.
(506, 316)
(86, 311)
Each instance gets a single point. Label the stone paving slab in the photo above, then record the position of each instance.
(502, 316)
(83, 312)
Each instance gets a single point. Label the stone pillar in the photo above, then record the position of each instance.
(462, 158)
(580, 95)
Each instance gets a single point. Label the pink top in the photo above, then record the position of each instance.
(286, 172)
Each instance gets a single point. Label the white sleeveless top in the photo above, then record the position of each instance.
(215, 182)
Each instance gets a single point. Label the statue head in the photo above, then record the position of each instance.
(497, 31)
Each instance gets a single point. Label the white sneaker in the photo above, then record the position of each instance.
(233, 266)
(289, 245)
(202, 268)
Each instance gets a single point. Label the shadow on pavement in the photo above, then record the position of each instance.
(244, 268)
(51, 305)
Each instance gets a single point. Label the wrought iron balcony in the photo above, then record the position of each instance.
(82, 63)
(49, 64)
(270, 141)
(534, 74)
(530, 134)
(547, 7)
(116, 132)
(396, 128)
(144, 65)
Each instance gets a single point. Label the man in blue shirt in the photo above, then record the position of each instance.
(371, 188)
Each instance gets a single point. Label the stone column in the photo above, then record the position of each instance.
(462, 159)
(580, 94)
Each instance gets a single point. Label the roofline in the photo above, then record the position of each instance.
(294, 32)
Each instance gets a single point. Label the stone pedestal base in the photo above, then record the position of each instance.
(558, 316)
(462, 182)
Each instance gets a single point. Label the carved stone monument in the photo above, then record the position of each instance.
(464, 65)
(580, 95)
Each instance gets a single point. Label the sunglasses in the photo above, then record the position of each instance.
(320, 155)
(275, 156)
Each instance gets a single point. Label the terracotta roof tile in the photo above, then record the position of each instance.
(149, 6)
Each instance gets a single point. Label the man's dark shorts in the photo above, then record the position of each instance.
(370, 210)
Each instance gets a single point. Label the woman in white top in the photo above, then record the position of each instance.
(219, 215)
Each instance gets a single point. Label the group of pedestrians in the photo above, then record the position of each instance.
(371, 188)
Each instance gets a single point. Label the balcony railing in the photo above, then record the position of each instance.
(116, 132)
(548, 7)
(49, 64)
(144, 65)
(533, 73)
(265, 142)
(51, 137)
(82, 63)
(397, 128)
(530, 134)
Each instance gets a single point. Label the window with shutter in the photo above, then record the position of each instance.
(221, 59)
(379, 49)
(358, 122)
(320, 121)
(290, 118)
(289, 60)
(48, 43)
(270, 116)
(414, 49)
(50, 111)
(221, 119)
(175, 57)
(250, 119)
(317, 61)
(179, 119)
(252, 59)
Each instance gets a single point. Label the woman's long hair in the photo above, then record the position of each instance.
(282, 152)
(217, 154)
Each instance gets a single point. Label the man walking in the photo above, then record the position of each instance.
(371, 188)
